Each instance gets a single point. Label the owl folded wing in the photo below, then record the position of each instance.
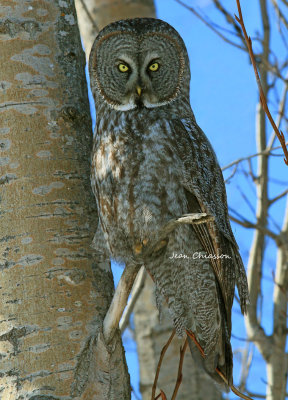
(205, 191)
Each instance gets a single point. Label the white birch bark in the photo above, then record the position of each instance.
(54, 293)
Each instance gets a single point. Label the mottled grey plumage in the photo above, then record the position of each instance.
(151, 163)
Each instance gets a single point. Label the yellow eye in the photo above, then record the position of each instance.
(154, 67)
(123, 68)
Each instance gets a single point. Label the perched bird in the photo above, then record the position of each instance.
(151, 163)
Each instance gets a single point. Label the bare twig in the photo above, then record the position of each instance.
(280, 14)
(281, 113)
(210, 26)
(179, 375)
(119, 301)
(261, 153)
(135, 293)
(278, 197)
(247, 224)
(232, 173)
(233, 388)
(162, 395)
(163, 351)
(279, 134)
(230, 20)
(247, 357)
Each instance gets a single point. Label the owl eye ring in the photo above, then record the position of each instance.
(154, 67)
(123, 67)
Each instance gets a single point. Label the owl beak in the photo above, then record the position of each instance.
(138, 90)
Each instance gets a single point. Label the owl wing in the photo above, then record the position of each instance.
(205, 191)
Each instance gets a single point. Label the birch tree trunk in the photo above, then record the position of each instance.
(271, 347)
(54, 294)
(277, 364)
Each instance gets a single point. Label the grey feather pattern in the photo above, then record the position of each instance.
(152, 163)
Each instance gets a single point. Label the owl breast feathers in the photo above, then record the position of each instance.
(151, 163)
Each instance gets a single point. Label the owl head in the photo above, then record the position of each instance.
(139, 62)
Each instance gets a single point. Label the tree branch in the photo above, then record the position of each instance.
(119, 301)
(278, 197)
(229, 18)
(250, 225)
(163, 351)
(281, 113)
(280, 14)
(210, 26)
(179, 375)
(135, 293)
(265, 152)
(255, 264)
(279, 134)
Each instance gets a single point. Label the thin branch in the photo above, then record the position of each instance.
(281, 112)
(261, 153)
(163, 351)
(179, 375)
(227, 180)
(280, 14)
(211, 26)
(247, 201)
(278, 197)
(135, 293)
(250, 225)
(232, 387)
(282, 34)
(247, 357)
(230, 20)
(279, 134)
(162, 395)
(119, 301)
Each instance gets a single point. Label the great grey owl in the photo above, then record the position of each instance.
(151, 163)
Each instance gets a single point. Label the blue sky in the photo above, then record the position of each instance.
(223, 97)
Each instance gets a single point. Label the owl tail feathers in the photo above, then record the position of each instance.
(210, 363)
